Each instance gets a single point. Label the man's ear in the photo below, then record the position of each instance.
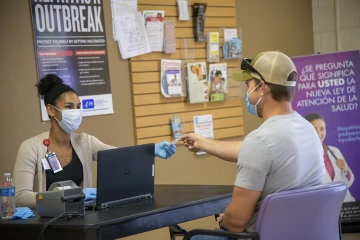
(50, 110)
(264, 87)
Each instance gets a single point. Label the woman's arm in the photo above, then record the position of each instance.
(24, 172)
(97, 145)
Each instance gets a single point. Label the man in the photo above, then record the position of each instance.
(283, 153)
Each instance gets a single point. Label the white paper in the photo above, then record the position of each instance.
(131, 35)
(45, 164)
(230, 33)
(203, 125)
(183, 10)
(121, 8)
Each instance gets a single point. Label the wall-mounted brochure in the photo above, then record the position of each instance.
(154, 25)
(169, 39)
(213, 53)
(230, 33)
(172, 84)
(217, 81)
(177, 125)
(232, 49)
(198, 90)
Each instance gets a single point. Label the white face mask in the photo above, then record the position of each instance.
(71, 119)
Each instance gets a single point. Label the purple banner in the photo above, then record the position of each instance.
(327, 95)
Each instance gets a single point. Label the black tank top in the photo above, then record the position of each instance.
(73, 171)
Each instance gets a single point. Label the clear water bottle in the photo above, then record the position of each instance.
(0, 196)
(7, 197)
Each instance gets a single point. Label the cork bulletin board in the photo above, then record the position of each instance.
(151, 110)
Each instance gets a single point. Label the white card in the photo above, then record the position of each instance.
(45, 164)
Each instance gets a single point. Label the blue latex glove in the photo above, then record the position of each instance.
(23, 213)
(164, 150)
(90, 194)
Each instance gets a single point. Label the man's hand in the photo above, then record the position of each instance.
(226, 150)
(341, 164)
(217, 226)
(192, 141)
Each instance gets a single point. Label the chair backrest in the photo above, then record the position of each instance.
(302, 214)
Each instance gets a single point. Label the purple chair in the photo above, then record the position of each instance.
(302, 214)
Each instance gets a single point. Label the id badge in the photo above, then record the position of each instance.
(53, 162)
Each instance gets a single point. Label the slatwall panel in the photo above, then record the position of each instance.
(152, 110)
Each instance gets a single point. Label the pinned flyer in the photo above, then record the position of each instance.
(154, 25)
(203, 125)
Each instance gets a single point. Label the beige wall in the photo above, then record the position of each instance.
(336, 25)
(284, 25)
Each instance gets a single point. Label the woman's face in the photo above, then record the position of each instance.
(320, 128)
(217, 78)
(193, 70)
(68, 100)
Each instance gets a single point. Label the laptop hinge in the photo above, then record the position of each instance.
(126, 200)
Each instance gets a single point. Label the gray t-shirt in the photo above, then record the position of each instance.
(284, 153)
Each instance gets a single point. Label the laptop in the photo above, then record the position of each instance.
(124, 175)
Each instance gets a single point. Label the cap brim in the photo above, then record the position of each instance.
(242, 75)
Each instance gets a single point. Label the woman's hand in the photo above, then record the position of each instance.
(165, 150)
(342, 164)
(90, 194)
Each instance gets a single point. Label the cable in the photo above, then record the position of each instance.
(77, 214)
(65, 214)
(92, 211)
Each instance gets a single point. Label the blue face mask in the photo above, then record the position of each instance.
(251, 107)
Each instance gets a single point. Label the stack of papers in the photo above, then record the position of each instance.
(131, 35)
(129, 29)
(120, 8)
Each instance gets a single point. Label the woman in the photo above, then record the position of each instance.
(336, 166)
(215, 86)
(74, 152)
(197, 69)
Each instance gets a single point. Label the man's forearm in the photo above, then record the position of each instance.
(228, 225)
(226, 150)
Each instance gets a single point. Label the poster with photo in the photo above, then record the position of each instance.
(70, 42)
(327, 95)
